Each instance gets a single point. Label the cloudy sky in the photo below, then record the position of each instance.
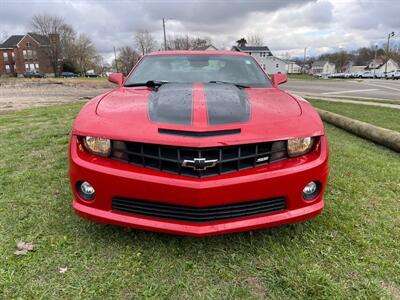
(286, 26)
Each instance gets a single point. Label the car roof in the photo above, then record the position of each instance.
(197, 52)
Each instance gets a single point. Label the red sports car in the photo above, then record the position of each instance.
(198, 143)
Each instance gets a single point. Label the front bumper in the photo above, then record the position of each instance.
(116, 179)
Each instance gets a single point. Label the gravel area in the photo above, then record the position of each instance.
(17, 93)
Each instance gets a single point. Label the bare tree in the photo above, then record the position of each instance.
(3, 36)
(60, 35)
(179, 43)
(188, 42)
(241, 42)
(144, 42)
(198, 42)
(255, 40)
(85, 52)
(127, 58)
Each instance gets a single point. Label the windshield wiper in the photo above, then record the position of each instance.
(149, 83)
(242, 86)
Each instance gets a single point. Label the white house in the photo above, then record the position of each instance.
(271, 64)
(380, 66)
(292, 67)
(323, 67)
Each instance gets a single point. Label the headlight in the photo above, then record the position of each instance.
(299, 146)
(97, 146)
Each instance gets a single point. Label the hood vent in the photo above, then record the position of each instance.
(199, 134)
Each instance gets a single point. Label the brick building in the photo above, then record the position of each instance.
(21, 53)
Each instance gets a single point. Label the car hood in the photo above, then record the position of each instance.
(176, 112)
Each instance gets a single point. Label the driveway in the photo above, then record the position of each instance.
(368, 88)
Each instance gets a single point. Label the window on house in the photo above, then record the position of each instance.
(24, 53)
(5, 56)
(34, 54)
(28, 44)
(8, 69)
(32, 66)
(27, 67)
(277, 65)
(13, 55)
(37, 66)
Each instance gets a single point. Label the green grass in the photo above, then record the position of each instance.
(386, 101)
(379, 116)
(303, 77)
(351, 251)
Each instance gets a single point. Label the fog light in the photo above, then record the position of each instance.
(86, 190)
(311, 190)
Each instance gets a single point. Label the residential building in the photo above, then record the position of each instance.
(292, 67)
(270, 63)
(21, 53)
(322, 67)
(379, 66)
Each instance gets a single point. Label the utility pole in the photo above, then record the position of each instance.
(304, 60)
(165, 36)
(387, 50)
(115, 58)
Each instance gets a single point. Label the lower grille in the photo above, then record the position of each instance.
(198, 214)
(222, 160)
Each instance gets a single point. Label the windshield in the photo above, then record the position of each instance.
(199, 68)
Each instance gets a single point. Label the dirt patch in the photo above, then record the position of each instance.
(19, 93)
(392, 289)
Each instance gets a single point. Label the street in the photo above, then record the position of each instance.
(368, 88)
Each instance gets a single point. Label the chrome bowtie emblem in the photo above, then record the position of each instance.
(199, 164)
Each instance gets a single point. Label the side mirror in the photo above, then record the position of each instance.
(117, 78)
(278, 79)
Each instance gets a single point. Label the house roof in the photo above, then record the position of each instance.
(12, 41)
(319, 63)
(376, 61)
(41, 39)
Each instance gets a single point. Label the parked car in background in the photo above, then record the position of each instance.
(91, 73)
(33, 74)
(378, 74)
(69, 75)
(367, 74)
(393, 75)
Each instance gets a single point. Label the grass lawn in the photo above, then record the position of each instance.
(351, 251)
(303, 77)
(379, 116)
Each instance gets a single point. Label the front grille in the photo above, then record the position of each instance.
(224, 159)
(198, 214)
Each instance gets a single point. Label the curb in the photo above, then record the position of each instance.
(385, 137)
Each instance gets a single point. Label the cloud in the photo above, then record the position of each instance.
(287, 26)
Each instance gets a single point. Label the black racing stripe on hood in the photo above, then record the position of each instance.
(171, 103)
(226, 104)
